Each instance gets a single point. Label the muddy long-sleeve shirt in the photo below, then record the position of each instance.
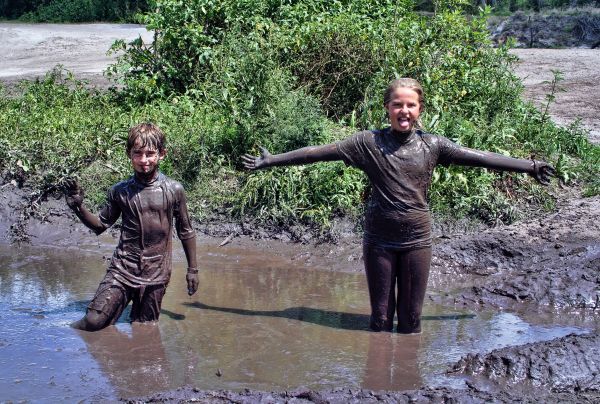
(400, 168)
(143, 255)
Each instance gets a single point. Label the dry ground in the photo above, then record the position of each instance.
(580, 98)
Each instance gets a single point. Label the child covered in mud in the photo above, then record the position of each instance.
(148, 203)
(399, 162)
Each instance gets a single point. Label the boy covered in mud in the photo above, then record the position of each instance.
(149, 203)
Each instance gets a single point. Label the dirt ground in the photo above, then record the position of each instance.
(31, 50)
(551, 262)
(578, 98)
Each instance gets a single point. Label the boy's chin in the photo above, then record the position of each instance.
(146, 174)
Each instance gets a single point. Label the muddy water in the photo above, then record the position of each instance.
(257, 322)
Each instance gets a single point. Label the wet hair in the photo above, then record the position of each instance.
(404, 82)
(149, 135)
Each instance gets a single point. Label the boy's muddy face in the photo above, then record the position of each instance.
(145, 159)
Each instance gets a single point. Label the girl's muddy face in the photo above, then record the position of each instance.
(145, 159)
(403, 109)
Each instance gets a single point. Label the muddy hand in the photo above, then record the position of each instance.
(255, 163)
(73, 192)
(192, 283)
(542, 172)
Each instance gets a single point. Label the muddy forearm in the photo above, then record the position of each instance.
(477, 158)
(189, 248)
(191, 277)
(305, 155)
(90, 220)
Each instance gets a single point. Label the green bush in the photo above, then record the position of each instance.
(224, 77)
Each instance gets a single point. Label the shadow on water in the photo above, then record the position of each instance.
(172, 315)
(326, 318)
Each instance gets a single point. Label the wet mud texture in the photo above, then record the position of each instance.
(561, 370)
(552, 261)
(564, 365)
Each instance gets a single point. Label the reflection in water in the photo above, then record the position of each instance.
(137, 359)
(392, 362)
(263, 322)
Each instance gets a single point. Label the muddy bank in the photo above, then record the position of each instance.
(560, 370)
(555, 29)
(563, 365)
(552, 261)
(546, 265)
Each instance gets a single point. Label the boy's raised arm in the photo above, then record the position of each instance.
(74, 197)
(305, 155)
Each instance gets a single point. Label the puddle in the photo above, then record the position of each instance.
(257, 321)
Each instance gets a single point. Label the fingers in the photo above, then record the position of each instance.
(249, 161)
(550, 171)
(71, 186)
(544, 172)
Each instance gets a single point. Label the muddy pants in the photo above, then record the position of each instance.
(112, 297)
(409, 270)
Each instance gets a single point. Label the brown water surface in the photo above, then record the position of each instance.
(256, 322)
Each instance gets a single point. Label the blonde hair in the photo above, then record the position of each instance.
(149, 134)
(404, 82)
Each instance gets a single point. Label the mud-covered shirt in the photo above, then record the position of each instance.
(144, 253)
(400, 168)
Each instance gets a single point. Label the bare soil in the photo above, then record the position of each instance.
(551, 262)
(31, 50)
(577, 98)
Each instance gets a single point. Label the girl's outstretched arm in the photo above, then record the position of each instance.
(305, 155)
(539, 170)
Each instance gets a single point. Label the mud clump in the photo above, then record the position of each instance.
(564, 365)
(441, 395)
(552, 261)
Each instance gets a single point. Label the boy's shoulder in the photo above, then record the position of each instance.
(170, 183)
(122, 185)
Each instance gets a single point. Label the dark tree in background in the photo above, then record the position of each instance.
(71, 10)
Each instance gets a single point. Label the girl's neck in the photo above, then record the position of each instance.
(402, 135)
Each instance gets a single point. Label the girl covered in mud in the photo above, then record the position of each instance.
(399, 162)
